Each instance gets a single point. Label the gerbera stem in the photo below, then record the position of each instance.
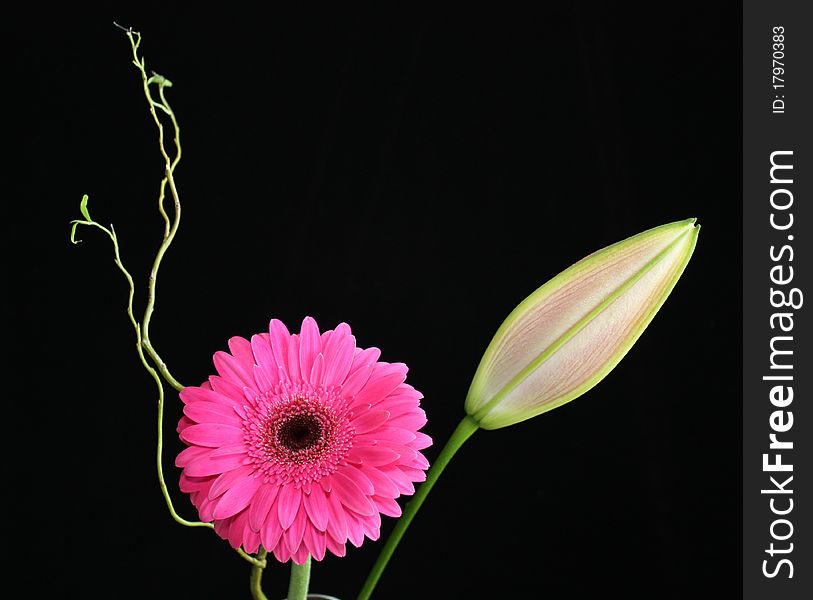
(300, 579)
(463, 432)
(257, 578)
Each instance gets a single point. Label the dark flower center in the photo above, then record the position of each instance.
(299, 432)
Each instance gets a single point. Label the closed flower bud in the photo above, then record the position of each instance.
(566, 336)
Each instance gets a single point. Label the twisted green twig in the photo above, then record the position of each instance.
(141, 330)
(111, 233)
(170, 227)
(256, 578)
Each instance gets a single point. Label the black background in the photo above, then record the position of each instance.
(415, 175)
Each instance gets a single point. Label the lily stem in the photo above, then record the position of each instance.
(463, 432)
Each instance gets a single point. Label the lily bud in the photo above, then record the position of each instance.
(566, 336)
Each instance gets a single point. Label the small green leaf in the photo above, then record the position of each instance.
(159, 79)
(83, 208)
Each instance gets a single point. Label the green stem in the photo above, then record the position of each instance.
(256, 578)
(300, 578)
(463, 432)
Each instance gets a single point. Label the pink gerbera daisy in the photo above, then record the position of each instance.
(301, 442)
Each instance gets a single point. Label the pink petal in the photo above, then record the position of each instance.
(355, 531)
(372, 419)
(228, 450)
(195, 394)
(226, 480)
(293, 359)
(419, 462)
(222, 528)
(310, 344)
(250, 394)
(383, 484)
(237, 497)
(367, 439)
(336, 547)
(421, 441)
(372, 529)
(317, 370)
(360, 479)
(338, 358)
(280, 338)
(405, 453)
(236, 528)
(270, 534)
(400, 479)
(293, 535)
(316, 542)
(396, 435)
(373, 456)
(206, 508)
(240, 348)
(343, 329)
(398, 407)
(387, 506)
(189, 454)
(251, 539)
(337, 521)
(226, 389)
(195, 484)
(412, 421)
(413, 474)
(281, 553)
(230, 368)
(264, 379)
(356, 381)
(288, 505)
(316, 506)
(374, 520)
(233, 536)
(261, 506)
(214, 465)
(350, 494)
(405, 392)
(301, 555)
(364, 358)
(212, 434)
(210, 412)
(184, 423)
(325, 339)
(263, 355)
(385, 378)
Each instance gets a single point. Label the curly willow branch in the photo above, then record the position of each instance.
(141, 329)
